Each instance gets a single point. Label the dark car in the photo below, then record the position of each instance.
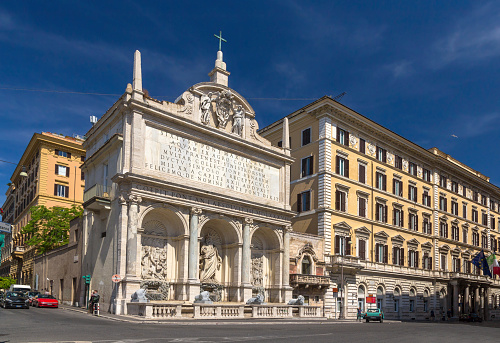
(14, 300)
(31, 297)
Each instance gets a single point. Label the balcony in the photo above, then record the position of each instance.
(18, 252)
(307, 280)
(349, 264)
(97, 198)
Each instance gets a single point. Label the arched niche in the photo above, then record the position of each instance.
(161, 235)
(266, 264)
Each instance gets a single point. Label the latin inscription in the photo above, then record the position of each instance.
(171, 154)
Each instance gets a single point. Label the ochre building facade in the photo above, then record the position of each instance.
(400, 223)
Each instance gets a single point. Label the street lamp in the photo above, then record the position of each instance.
(23, 172)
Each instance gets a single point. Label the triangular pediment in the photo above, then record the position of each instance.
(381, 234)
(413, 241)
(398, 238)
(443, 217)
(362, 230)
(444, 247)
(342, 225)
(456, 222)
(427, 245)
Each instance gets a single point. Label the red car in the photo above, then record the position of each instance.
(45, 300)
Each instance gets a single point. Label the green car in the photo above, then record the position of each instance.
(374, 314)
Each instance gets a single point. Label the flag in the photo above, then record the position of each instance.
(480, 261)
(490, 259)
(496, 267)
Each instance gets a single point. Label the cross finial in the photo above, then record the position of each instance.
(220, 40)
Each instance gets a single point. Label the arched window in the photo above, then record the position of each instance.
(380, 297)
(426, 300)
(413, 300)
(397, 294)
(306, 265)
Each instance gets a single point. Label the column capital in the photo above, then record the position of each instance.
(248, 220)
(287, 229)
(134, 199)
(196, 210)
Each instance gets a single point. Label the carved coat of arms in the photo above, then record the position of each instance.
(224, 104)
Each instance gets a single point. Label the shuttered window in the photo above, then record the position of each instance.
(362, 173)
(362, 207)
(362, 249)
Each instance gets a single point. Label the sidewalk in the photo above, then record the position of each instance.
(192, 321)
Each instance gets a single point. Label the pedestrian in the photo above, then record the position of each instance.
(432, 315)
(358, 318)
(94, 300)
(46, 291)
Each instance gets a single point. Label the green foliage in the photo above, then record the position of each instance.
(5, 282)
(49, 227)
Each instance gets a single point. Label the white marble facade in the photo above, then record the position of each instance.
(186, 193)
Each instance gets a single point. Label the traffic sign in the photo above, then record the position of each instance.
(116, 278)
(5, 227)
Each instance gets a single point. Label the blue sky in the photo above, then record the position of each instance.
(426, 70)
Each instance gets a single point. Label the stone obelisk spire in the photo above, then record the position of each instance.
(137, 80)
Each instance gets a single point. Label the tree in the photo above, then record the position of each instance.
(49, 227)
(5, 282)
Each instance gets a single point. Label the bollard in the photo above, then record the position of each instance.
(96, 309)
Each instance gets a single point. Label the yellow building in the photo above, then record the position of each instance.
(52, 163)
(400, 223)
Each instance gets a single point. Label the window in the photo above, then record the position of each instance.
(83, 175)
(63, 153)
(443, 262)
(412, 305)
(467, 268)
(61, 191)
(82, 158)
(484, 200)
(484, 242)
(426, 198)
(340, 200)
(306, 265)
(464, 211)
(398, 256)
(443, 204)
(413, 221)
(362, 146)
(426, 175)
(454, 186)
(280, 144)
(427, 261)
(343, 137)
(485, 219)
(397, 217)
(361, 207)
(398, 162)
(492, 221)
(413, 169)
(464, 235)
(362, 173)
(381, 154)
(342, 167)
(397, 187)
(412, 193)
(454, 208)
(306, 136)
(105, 176)
(342, 245)
(362, 249)
(62, 170)
(456, 265)
(443, 229)
(475, 216)
(475, 196)
(493, 243)
(307, 166)
(413, 259)
(381, 212)
(380, 181)
(455, 233)
(304, 201)
(427, 225)
(381, 253)
(475, 239)
(442, 181)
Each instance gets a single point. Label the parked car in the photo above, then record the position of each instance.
(14, 300)
(374, 314)
(31, 297)
(45, 300)
(474, 317)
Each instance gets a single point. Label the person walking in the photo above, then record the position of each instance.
(358, 318)
(94, 300)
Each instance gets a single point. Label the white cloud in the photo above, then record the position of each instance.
(473, 125)
(400, 69)
(474, 37)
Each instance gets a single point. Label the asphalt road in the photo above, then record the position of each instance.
(63, 325)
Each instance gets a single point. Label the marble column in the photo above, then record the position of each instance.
(466, 299)
(486, 313)
(133, 210)
(455, 299)
(287, 290)
(246, 259)
(481, 301)
(245, 262)
(193, 245)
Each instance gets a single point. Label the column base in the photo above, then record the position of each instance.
(246, 292)
(286, 294)
(193, 289)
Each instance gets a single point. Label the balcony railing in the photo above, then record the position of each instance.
(97, 191)
(309, 280)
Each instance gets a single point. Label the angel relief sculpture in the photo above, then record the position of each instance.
(210, 263)
(154, 263)
(238, 120)
(205, 107)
